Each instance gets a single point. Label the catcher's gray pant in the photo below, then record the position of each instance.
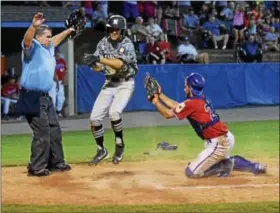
(46, 147)
(111, 100)
(215, 150)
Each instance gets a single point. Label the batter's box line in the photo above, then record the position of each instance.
(161, 187)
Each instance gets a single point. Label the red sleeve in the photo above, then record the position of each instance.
(65, 65)
(5, 90)
(17, 86)
(183, 110)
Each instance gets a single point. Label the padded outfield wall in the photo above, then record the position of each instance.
(227, 85)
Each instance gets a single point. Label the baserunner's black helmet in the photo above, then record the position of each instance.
(117, 22)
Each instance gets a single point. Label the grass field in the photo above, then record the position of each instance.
(256, 140)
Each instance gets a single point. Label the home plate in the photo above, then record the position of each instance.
(158, 186)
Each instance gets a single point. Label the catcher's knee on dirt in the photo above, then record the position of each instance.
(193, 174)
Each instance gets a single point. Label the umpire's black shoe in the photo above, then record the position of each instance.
(62, 167)
(39, 173)
(100, 155)
(118, 156)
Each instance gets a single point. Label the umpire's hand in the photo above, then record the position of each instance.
(91, 59)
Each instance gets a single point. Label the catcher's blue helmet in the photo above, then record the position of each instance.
(196, 82)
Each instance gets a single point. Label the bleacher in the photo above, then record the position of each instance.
(25, 13)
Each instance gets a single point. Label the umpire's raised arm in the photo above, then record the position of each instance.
(30, 33)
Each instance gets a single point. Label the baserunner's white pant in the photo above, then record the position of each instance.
(7, 102)
(215, 150)
(57, 95)
(112, 101)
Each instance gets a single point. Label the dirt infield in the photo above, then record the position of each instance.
(157, 182)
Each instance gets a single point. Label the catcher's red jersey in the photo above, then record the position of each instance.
(202, 116)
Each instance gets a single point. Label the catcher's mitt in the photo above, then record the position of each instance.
(152, 87)
(77, 20)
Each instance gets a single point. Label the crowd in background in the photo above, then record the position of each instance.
(173, 31)
(204, 24)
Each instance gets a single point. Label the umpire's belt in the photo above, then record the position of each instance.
(29, 102)
(35, 91)
(118, 80)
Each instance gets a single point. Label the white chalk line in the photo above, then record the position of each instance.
(158, 186)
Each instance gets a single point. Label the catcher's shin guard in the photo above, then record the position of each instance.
(221, 169)
(242, 164)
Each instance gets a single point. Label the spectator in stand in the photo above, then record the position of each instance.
(99, 18)
(149, 9)
(72, 5)
(165, 47)
(276, 10)
(10, 93)
(104, 6)
(271, 40)
(184, 7)
(251, 29)
(217, 30)
(238, 25)
(204, 14)
(130, 9)
(220, 5)
(276, 25)
(227, 15)
(140, 31)
(189, 22)
(155, 30)
(187, 53)
(172, 10)
(88, 9)
(44, 4)
(155, 54)
(251, 50)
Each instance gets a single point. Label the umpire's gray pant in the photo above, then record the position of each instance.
(46, 147)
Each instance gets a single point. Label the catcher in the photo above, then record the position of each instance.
(198, 109)
(115, 57)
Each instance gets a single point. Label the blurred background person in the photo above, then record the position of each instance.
(9, 95)
(251, 50)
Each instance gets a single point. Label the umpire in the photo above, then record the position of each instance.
(38, 64)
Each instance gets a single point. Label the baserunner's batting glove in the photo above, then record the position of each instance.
(91, 59)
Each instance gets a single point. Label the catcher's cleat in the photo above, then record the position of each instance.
(118, 154)
(259, 169)
(100, 155)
